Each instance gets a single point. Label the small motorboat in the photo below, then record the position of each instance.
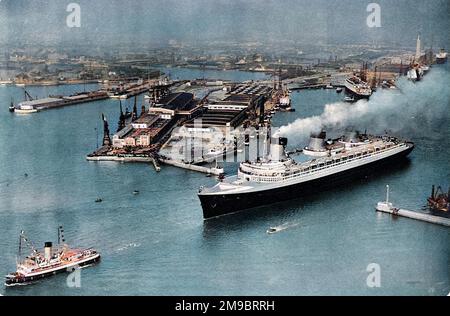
(339, 90)
(272, 230)
(135, 192)
(99, 200)
(349, 99)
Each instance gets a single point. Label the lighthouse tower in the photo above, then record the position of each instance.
(418, 48)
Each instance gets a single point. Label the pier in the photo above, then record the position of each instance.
(207, 170)
(53, 102)
(120, 158)
(387, 207)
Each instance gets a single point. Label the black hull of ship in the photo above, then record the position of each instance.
(441, 61)
(222, 204)
(25, 280)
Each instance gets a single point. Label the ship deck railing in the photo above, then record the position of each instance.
(324, 164)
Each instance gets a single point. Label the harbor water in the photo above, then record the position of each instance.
(156, 242)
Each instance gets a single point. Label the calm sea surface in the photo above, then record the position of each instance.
(156, 243)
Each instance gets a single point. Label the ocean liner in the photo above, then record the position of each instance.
(278, 177)
(51, 261)
(358, 88)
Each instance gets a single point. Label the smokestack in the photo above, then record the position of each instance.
(277, 148)
(48, 250)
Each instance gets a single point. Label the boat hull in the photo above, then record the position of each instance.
(357, 96)
(214, 205)
(27, 279)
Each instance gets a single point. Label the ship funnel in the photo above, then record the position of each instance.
(317, 141)
(48, 250)
(277, 148)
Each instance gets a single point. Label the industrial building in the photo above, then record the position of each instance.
(234, 108)
(202, 138)
(160, 118)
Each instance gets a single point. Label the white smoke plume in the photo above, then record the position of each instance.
(415, 110)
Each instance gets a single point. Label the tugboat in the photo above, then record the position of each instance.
(349, 99)
(39, 265)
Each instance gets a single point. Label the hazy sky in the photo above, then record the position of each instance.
(157, 21)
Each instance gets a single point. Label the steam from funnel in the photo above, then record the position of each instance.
(413, 110)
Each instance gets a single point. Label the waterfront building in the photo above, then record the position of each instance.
(160, 118)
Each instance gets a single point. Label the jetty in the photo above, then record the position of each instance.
(213, 171)
(31, 105)
(387, 207)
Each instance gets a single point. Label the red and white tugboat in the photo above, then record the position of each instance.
(51, 261)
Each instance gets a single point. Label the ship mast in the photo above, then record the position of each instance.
(61, 238)
(27, 242)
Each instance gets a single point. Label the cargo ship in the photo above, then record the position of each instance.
(358, 88)
(278, 177)
(441, 57)
(50, 261)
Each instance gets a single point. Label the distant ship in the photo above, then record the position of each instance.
(441, 57)
(278, 177)
(415, 73)
(358, 88)
(51, 261)
(284, 103)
